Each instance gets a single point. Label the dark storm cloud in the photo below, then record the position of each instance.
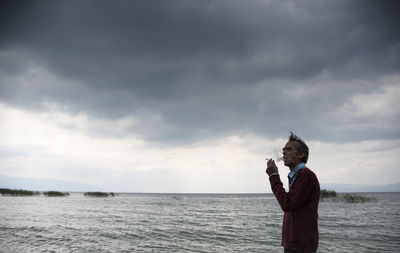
(194, 69)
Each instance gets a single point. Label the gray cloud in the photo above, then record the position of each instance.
(198, 69)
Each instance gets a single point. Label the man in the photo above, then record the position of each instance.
(300, 203)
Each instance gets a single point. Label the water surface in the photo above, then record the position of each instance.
(187, 223)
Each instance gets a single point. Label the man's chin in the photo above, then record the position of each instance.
(287, 163)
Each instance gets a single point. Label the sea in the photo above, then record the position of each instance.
(188, 223)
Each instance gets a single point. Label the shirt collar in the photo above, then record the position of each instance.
(296, 169)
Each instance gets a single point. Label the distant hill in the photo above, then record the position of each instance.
(35, 184)
(362, 188)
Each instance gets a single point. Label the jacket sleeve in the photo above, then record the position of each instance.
(298, 194)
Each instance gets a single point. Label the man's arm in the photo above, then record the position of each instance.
(298, 194)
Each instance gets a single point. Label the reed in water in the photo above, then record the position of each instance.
(55, 194)
(10, 192)
(99, 194)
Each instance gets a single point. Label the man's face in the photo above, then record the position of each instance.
(290, 156)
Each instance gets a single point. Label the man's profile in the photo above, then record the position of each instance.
(300, 203)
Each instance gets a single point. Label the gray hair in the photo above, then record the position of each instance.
(302, 148)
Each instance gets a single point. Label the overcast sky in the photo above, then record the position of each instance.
(191, 96)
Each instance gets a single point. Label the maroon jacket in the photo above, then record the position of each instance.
(300, 204)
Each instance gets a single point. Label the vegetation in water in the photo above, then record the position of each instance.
(98, 194)
(347, 198)
(327, 194)
(55, 194)
(5, 191)
(355, 198)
